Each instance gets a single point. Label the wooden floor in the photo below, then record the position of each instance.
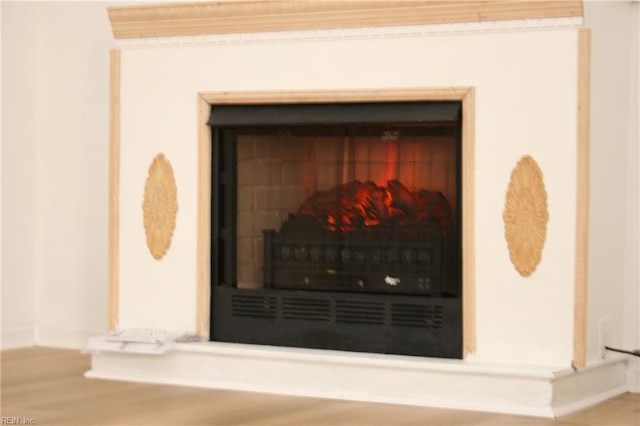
(47, 385)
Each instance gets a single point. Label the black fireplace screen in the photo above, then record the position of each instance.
(337, 226)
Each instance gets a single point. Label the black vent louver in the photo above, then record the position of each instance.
(430, 317)
(299, 308)
(253, 306)
(359, 312)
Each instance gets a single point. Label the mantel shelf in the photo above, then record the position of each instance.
(226, 17)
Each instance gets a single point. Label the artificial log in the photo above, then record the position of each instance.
(356, 204)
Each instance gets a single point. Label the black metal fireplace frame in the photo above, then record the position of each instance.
(428, 324)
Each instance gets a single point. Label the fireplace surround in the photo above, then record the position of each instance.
(503, 61)
(459, 300)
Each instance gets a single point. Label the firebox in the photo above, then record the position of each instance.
(337, 226)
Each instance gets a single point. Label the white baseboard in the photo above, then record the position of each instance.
(63, 338)
(583, 388)
(633, 374)
(455, 384)
(18, 337)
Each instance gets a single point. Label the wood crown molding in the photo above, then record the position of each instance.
(250, 16)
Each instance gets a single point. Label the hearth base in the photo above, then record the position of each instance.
(541, 391)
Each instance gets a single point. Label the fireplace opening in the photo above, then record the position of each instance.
(337, 226)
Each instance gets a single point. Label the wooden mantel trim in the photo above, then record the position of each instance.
(113, 274)
(582, 201)
(247, 16)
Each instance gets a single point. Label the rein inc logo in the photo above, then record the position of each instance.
(5, 420)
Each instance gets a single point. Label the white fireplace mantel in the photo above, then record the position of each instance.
(524, 68)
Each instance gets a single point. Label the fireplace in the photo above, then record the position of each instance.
(502, 60)
(337, 226)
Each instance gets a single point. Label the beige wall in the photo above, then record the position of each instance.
(613, 300)
(18, 157)
(54, 172)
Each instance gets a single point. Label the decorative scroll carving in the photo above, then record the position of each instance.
(160, 206)
(525, 216)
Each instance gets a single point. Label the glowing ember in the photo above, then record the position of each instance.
(356, 205)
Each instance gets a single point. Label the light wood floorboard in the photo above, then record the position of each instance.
(48, 385)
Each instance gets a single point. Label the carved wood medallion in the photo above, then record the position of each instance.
(525, 216)
(160, 206)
